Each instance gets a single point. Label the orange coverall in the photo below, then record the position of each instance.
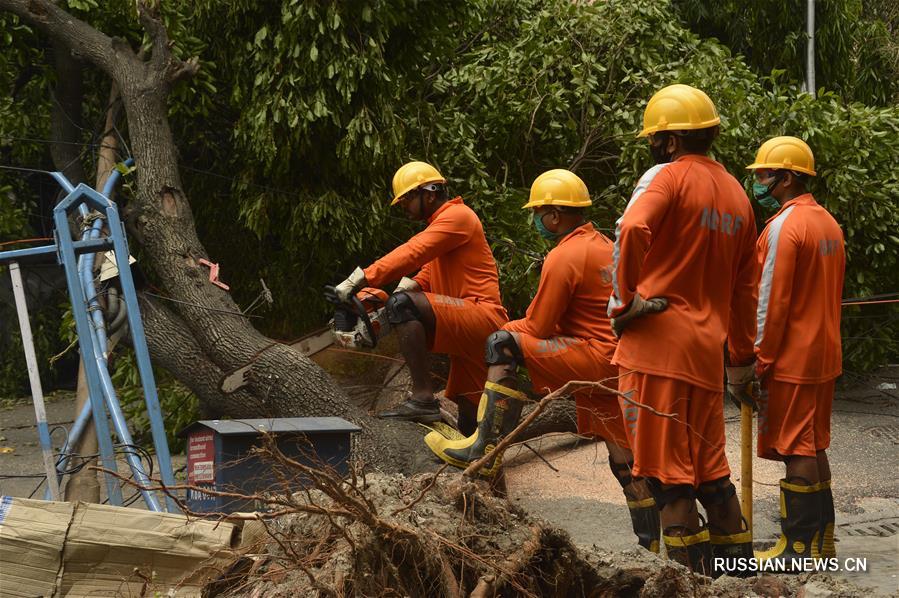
(458, 275)
(802, 262)
(687, 234)
(566, 334)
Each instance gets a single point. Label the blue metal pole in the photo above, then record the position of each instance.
(83, 417)
(139, 342)
(86, 344)
(63, 181)
(121, 428)
(101, 353)
(75, 433)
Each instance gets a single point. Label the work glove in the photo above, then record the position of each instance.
(639, 306)
(347, 289)
(743, 386)
(407, 284)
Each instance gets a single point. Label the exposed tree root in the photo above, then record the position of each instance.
(432, 535)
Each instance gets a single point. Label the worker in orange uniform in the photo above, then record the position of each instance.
(684, 281)
(565, 335)
(797, 346)
(450, 306)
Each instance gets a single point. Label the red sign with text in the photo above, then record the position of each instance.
(201, 457)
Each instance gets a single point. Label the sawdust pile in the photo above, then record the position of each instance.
(445, 536)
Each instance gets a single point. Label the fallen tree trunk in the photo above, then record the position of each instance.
(199, 333)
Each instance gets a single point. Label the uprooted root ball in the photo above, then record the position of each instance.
(445, 536)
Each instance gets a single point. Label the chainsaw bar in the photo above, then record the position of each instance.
(308, 345)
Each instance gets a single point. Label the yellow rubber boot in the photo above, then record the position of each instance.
(800, 524)
(498, 414)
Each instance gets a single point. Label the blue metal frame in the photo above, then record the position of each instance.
(91, 331)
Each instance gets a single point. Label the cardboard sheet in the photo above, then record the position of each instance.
(78, 549)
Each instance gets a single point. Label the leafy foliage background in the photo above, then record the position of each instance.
(303, 109)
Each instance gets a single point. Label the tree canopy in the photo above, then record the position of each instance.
(301, 111)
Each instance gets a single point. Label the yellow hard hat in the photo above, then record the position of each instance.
(678, 108)
(412, 175)
(558, 187)
(785, 153)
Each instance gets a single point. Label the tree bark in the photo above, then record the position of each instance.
(66, 120)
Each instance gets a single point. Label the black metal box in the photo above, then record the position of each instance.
(218, 456)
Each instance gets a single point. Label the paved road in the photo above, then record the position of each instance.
(583, 498)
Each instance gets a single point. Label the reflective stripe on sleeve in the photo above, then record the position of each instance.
(642, 186)
(768, 273)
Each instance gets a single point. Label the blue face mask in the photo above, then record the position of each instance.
(763, 195)
(541, 228)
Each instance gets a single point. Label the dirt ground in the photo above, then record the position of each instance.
(566, 481)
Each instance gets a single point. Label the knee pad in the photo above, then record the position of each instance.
(401, 308)
(664, 496)
(715, 493)
(622, 472)
(495, 353)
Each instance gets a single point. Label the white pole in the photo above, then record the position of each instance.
(810, 47)
(34, 377)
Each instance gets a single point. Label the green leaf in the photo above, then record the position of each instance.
(261, 35)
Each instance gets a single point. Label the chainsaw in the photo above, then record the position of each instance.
(356, 324)
(359, 323)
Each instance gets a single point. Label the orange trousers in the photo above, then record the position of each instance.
(794, 419)
(554, 361)
(683, 443)
(462, 328)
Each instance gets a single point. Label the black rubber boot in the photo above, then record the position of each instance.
(644, 512)
(828, 547)
(800, 524)
(693, 551)
(646, 524)
(498, 415)
(735, 549)
(414, 411)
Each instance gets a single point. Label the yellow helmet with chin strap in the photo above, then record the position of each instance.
(412, 175)
(679, 108)
(785, 153)
(558, 187)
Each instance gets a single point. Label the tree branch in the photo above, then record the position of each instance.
(162, 59)
(80, 37)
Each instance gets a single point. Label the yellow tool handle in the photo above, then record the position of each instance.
(746, 462)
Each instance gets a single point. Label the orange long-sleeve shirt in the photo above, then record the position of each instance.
(687, 234)
(802, 262)
(452, 255)
(573, 293)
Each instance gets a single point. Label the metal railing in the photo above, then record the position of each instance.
(103, 231)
